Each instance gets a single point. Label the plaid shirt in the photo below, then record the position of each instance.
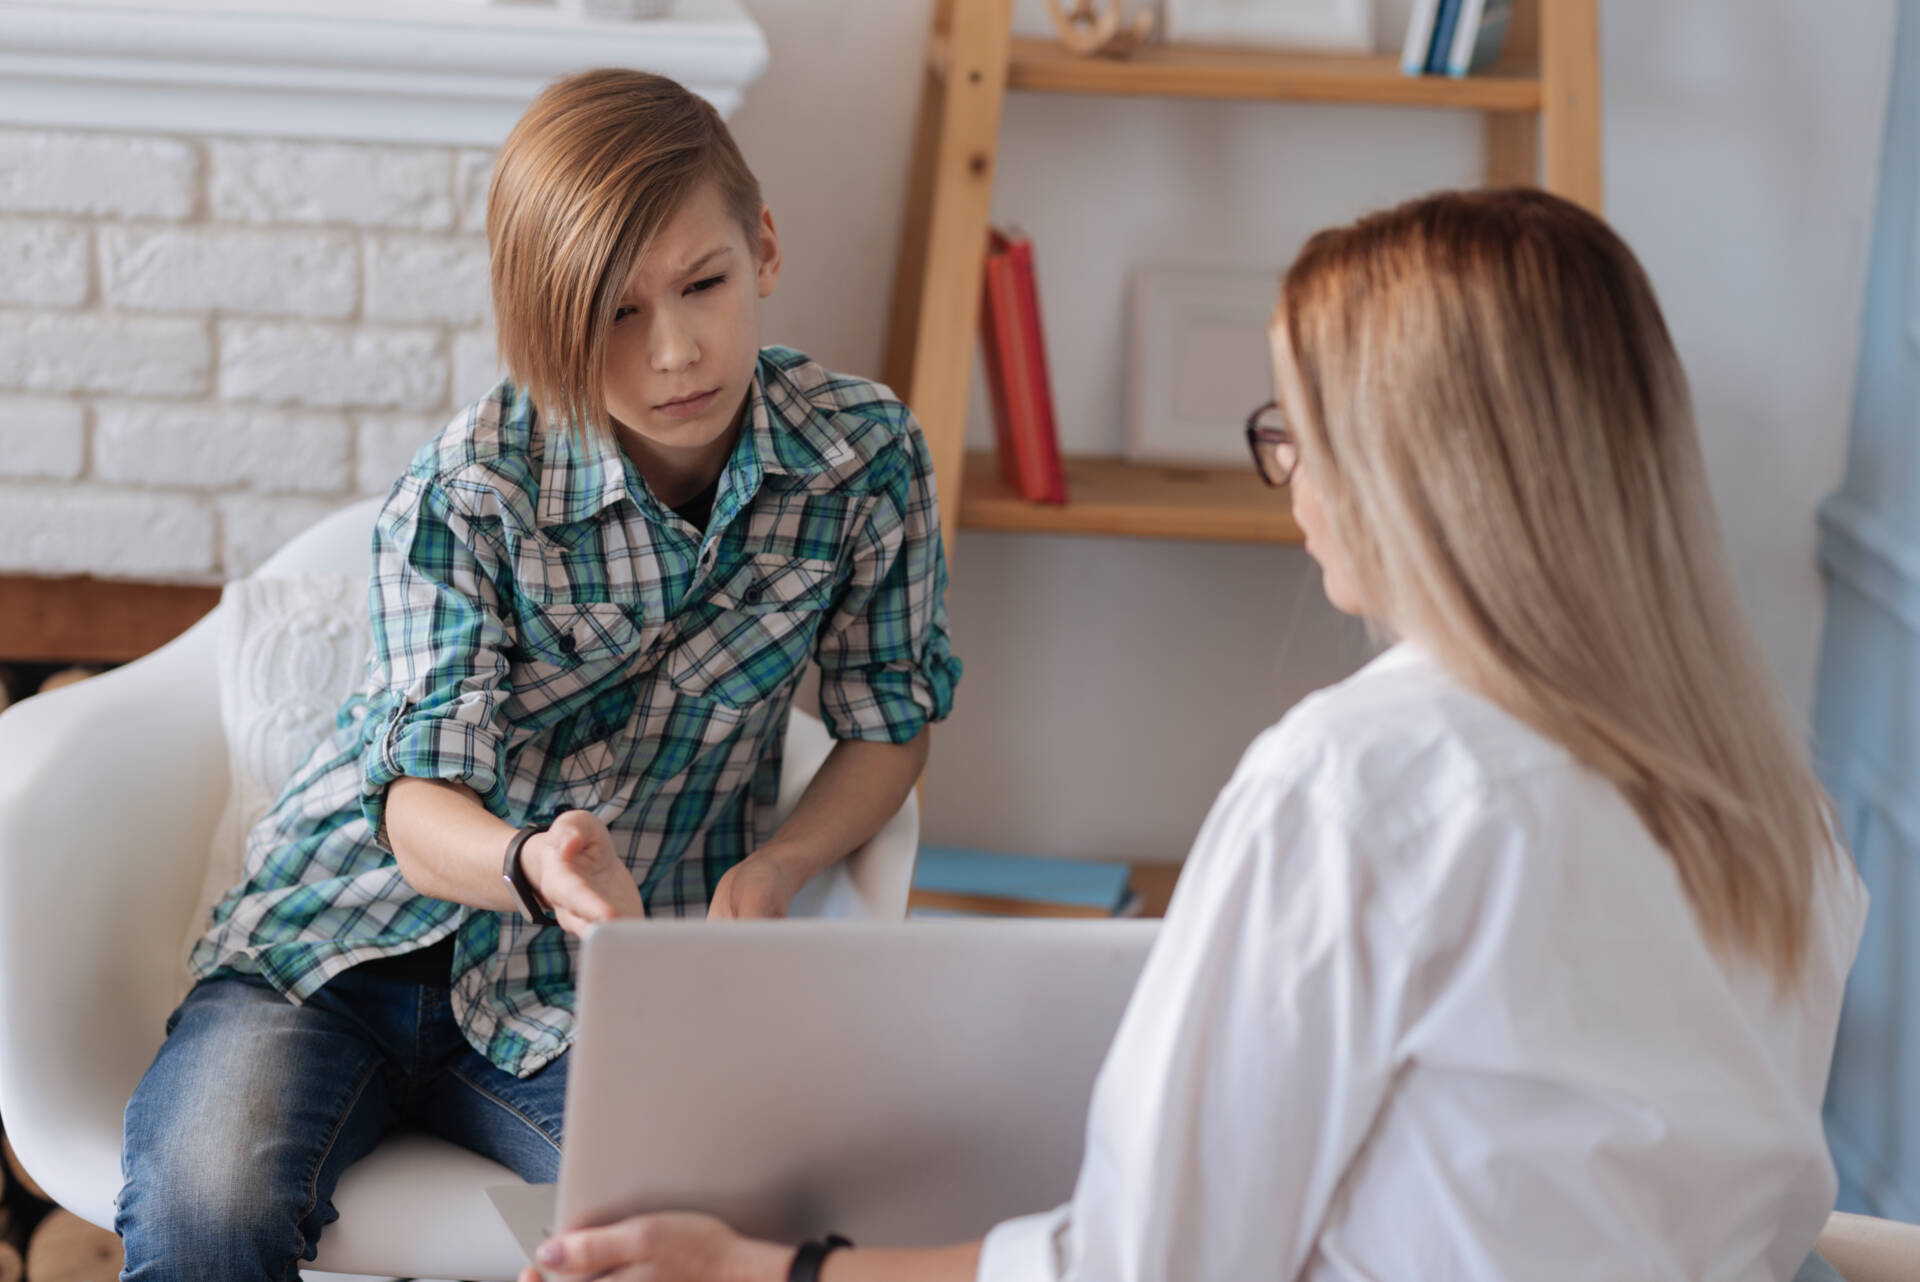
(549, 634)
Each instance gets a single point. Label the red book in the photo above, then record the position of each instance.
(1016, 357)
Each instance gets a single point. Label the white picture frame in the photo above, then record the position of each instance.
(1199, 362)
(1320, 26)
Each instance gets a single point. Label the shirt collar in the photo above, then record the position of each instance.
(791, 435)
(583, 473)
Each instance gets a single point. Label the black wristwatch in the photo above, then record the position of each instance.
(517, 876)
(806, 1260)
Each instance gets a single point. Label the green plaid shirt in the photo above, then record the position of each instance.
(549, 634)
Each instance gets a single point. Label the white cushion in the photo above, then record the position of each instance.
(290, 649)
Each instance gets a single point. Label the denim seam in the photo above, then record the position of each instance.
(313, 1181)
(511, 1108)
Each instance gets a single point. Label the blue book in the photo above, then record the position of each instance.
(1081, 883)
(1443, 29)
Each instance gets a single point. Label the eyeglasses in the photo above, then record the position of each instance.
(1270, 440)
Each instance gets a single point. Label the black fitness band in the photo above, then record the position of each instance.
(537, 908)
(806, 1260)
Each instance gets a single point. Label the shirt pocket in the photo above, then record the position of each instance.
(565, 649)
(750, 635)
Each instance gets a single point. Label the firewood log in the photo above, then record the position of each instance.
(65, 1248)
(67, 677)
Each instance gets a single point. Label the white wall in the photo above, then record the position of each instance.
(1111, 684)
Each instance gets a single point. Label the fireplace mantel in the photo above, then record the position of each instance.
(414, 71)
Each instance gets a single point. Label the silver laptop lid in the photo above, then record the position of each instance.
(902, 1083)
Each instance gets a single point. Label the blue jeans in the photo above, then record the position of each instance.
(239, 1131)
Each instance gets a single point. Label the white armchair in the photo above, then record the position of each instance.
(110, 791)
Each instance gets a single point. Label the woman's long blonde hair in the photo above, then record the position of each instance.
(1502, 435)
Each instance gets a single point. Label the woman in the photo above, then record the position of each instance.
(1519, 954)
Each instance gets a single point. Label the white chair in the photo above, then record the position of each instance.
(109, 795)
(1864, 1249)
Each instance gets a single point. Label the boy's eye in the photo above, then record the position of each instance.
(701, 286)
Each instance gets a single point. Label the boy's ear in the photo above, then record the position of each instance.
(768, 253)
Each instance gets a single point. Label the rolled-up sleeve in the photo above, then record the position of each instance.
(439, 650)
(886, 668)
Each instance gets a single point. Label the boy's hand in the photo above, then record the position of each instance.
(758, 886)
(575, 869)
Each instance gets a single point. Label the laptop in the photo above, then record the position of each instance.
(903, 1083)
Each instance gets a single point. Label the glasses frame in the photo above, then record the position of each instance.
(1259, 436)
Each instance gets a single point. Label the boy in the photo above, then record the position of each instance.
(593, 595)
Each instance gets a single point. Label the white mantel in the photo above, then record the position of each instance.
(416, 71)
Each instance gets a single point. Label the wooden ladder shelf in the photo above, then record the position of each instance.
(1542, 106)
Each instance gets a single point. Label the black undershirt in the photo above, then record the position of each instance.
(698, 510)
(434, 963)
(430, 965)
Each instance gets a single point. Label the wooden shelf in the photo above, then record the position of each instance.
(84, 620)
(1180, 71)
(1113, 497)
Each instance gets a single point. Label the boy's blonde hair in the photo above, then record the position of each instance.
(600, 162)
(1505, 441)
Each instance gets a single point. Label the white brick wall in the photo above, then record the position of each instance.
(98, 175)
(314, 182)
(58, 352)
(43, 264)
(85, 529)
(384, 444)
(198, 447)
(427, 278)
(206, 269)
(206, 344)
(42, 438)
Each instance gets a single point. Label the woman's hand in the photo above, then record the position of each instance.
(673, 1247)
(575, 869)
(761, 885)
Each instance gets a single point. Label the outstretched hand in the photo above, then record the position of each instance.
(574, 867)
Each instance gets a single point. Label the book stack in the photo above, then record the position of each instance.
(1016, 357)
(950, 882)
(1455, 37)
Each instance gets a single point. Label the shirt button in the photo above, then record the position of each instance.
(752, 595)
(565, 643)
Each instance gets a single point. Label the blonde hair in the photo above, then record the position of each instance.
(1502, 433)
(599, 163)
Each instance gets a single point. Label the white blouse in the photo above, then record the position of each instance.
(1430, 1004)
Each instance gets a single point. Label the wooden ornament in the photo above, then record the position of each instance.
(12, 1267)
(67, 677)
(65, 1248)
(19, 1172)
(1095, 33)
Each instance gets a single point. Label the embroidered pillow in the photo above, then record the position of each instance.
(290, 649)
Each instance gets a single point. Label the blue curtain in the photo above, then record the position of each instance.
(1867, 716)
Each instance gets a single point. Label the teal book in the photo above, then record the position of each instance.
(1481, 34)
(1081, 883)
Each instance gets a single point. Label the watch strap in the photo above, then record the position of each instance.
(516, 876)
(806, 1260)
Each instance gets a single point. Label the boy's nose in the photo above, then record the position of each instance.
(673, 348)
